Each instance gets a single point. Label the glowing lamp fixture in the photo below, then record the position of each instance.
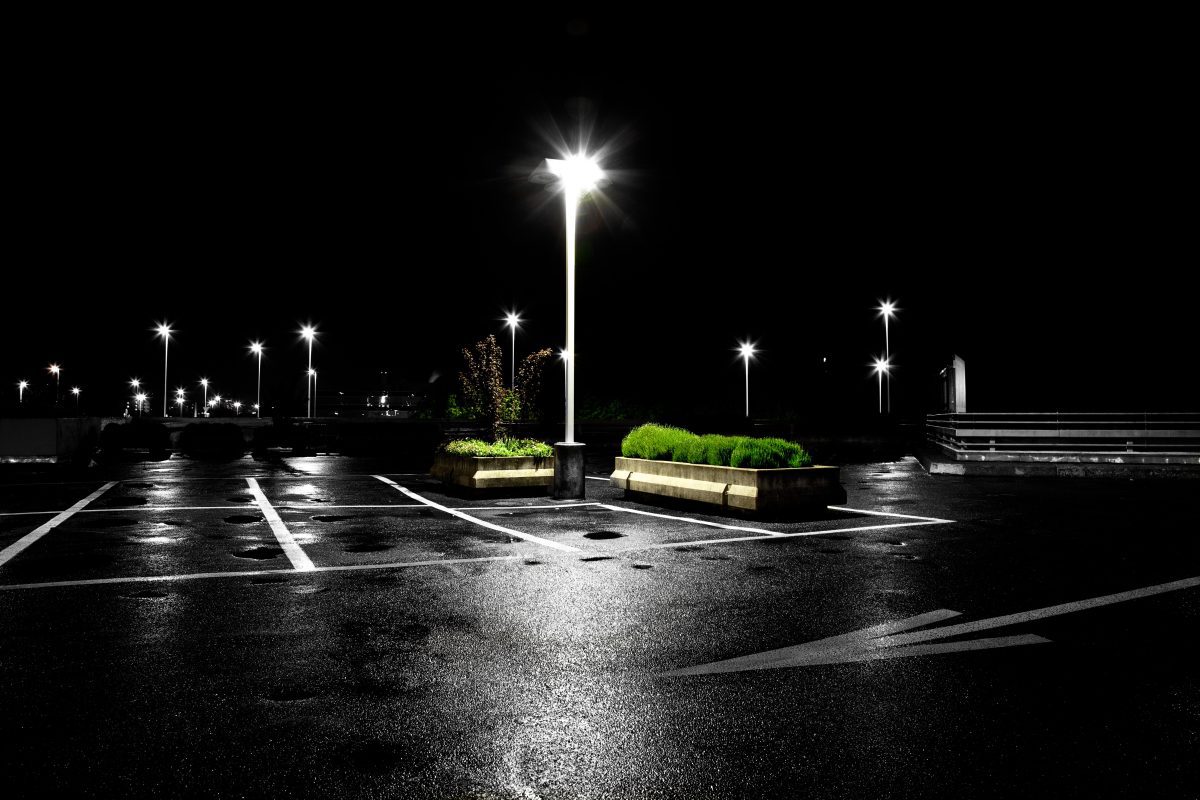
(164, 330)
(746, 349)
(512, 320)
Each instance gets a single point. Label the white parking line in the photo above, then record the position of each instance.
(250, 573)
(456, 513)
(689, 519)
(300, 560)
(16, 547)
(886, 514)
(777, 536)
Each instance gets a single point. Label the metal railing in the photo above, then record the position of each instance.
(1146, 437)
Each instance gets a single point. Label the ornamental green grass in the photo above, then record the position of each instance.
(499, 449)
(664, 443)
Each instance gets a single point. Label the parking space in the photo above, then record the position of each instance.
(172, 527)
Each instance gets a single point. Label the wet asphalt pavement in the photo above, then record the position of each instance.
(530, 662)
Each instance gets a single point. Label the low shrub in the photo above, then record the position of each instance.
(663, 443)
(498, 449)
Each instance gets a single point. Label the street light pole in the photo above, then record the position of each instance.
(56, 371)
(881, 367)
(164, 330)
(312, 374)
(257, 349)
(747, 350)
(21, 386)
(887, 309)
(512, 319)
(309, 332)
(204, 383)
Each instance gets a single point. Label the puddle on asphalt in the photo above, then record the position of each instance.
(259, 553)
(597, 558)
(291, 693)
(330, 518)
(267, 579)
(141, 485)
(111, 522)
(147, 594)
(603, 535)
(240, 498)
(126, 501)
(367, 547)
(688, 548)
(529, 562)
(643, 566)
(244, 519)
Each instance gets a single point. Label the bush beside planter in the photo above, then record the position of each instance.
(491, 472)
(754, 491)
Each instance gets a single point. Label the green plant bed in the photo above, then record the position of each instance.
(503, 448)
(505, 464)
(737, 473)
(663, 443)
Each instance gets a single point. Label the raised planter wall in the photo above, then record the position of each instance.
(512, 472)
(735, 488)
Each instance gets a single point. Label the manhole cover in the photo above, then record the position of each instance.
(259, 553)
(240, 498)
(603, 535)
(529, 562)
(643, 566)
(597, 558)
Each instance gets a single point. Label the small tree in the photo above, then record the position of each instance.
(483, 383)
(529, 382)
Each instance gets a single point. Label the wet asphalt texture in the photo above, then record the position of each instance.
(516, 670)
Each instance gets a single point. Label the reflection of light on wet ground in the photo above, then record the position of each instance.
(156, 539)
(303, 490)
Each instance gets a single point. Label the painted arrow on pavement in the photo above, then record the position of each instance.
(888, 640)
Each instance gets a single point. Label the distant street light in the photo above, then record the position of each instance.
(21, 387)
(141, 399)
(577, 174)
(237, 408)
(312, 376)
(747, 351)
(309, 332)
(512, 320)
(164, 330)
(881, 368)
(179, 398)
(56, 371)
(887, 310)
(204, 383)
(257, 349)
(75, 391)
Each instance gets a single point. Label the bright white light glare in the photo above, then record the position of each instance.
(135, 383)
(163, 329)
(55, 369)
(141, 398)
(746, 349)
(23, 385)
(882, 365)
(312, 372)
(308, 332)
(75, 391)
(256, 347)
(579, 172)
(887, 308)
(217, 399)
(511, 319)
(204, 382)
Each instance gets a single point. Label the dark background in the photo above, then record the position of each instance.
(1017, 185)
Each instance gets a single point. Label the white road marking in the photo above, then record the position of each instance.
(886, 514)
(776, 536)
(250, 573)
(689, 519)
(300, 560)
(287, 507)
(27, 513)
(886, 641)
(456, 513)
(597, 478)
(16, 547)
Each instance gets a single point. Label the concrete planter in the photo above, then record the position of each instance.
(754, 491)
(513, 472)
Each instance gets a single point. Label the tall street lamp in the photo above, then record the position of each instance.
(887, 310)
(136, 385)
(309, 332)
(577, 175)
(204, 383)
(881, 369)
(75, 391)
(747, 351)
(164, 330)
(179, 398)
(56, 371)
(257, 349)
(512, 320)
(141, 399)
(312, 376)
(21, 387)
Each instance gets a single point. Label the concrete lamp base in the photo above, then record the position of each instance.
(568, 471)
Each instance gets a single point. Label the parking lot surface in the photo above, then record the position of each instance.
(320, 627)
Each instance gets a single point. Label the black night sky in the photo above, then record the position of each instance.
(1016, 188)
